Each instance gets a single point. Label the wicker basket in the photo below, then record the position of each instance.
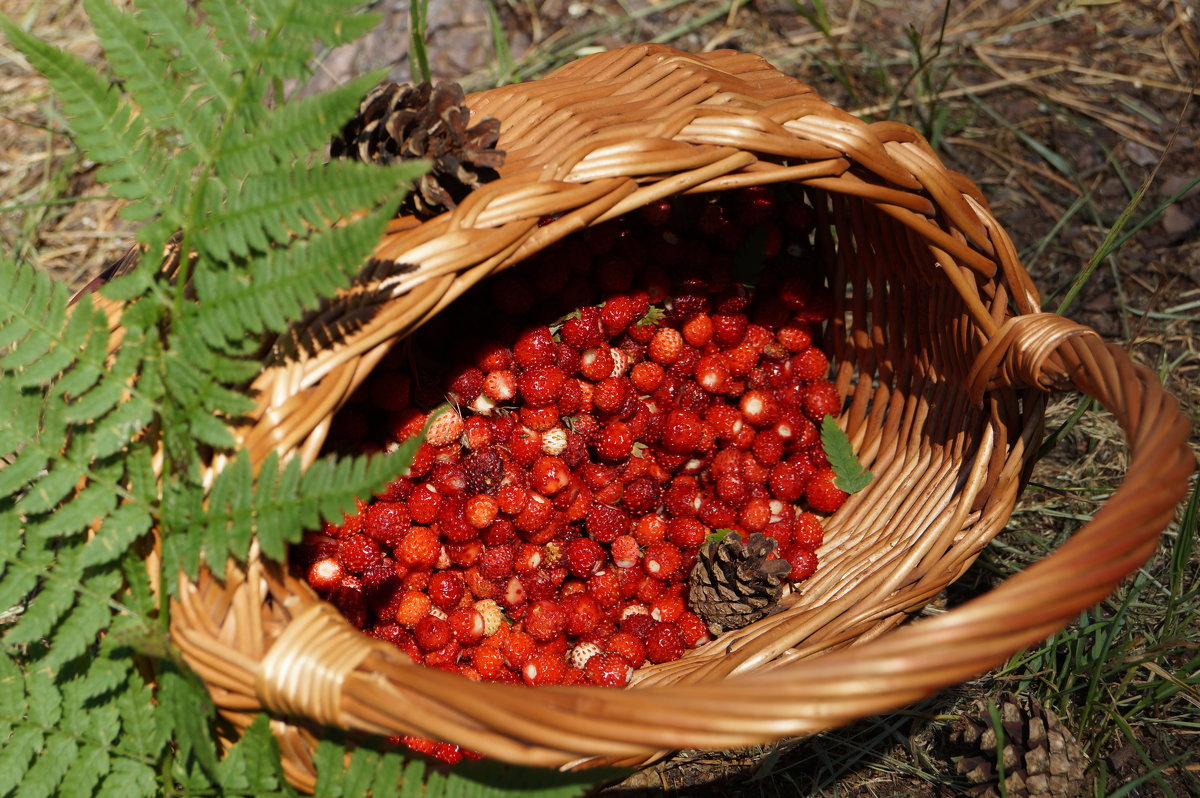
(942, 356)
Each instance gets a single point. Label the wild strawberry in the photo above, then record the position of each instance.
(535, 515)
(807, 531)
(810, 364)
(613, 441)
(606, 523)
(424, 504)
(625, 551)
(649, 529)
(582, 652)
(480, 510)
(596, 363)
(465, 554)
(385, 522)
(755, 515)
(739, 361)
(686, 532)
(493, 617)
(583, 614)
(663, 643)
(467, 625)
(432, 633)
(488, 661)
(549, 475)
(528, 558)
(534, 348)
(539, 419)
(420, 548)
(357, 553)
(412, 606)
(667, 608)
(607, 669)
(604, 587)
(626, 646)
(497, 561)
(621, 362)
(711, 374)
(540, 386)
(693, 630)
(759, 408)
(611, 393)
(582, 329)
(803, 561)
(543, 668)
(518, 647)
(661, 560)
(544, 620)
(617, 313)
(325, 574)
(500, 385)
(448, 479)
(788, 480)
(445, 429)
(525, 446)
(554, 441)
(584, 557)
(822, 494)
(480, 586)
(666, 345)
(698, 330)
(821, 399)
(682, 432)
(446, 589)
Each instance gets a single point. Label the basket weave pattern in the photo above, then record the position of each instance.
(942, 355)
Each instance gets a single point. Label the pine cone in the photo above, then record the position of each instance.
(1041, 758)
(733, 584)
(403, 122)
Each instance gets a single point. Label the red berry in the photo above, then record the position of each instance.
(584, 557)
(412, 607)
(626, 646)
(325, 574)
(810, 364)
(807, 531)
(821, 399)
(420, 548)
(534, 348)
(666, 345)
(357, 553)
(822, 494)
(606, 523)
(432, 633)
(608, 669)
(544, 620)
(541, 386)
(467, 625)
(661, 560)
(803, 562)
(663, 643)
(445, 429)
(543, 668)
(613, 441)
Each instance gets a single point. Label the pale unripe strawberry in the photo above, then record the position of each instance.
(446, 429)
(554, 441)
(493, 616)
(581, 653)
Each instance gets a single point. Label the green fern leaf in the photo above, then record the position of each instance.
(285, 283)
(190, 710)
(90, 616)
(275, 206)
(16, 756)
(173, 24)
(41, 780)
(120, 529)
(106, 128)
(129, 779)
(143, 731)
(230, 22)
(296, 130)
(55, 599)
(80, 780)
(145, 72)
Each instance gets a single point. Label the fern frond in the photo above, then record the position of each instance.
(277, 205)
(195, 57)
(149, 78)
(285, 283)
(107, 128)
(230, 21)
(295, 130)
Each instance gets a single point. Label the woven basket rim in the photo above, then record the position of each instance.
(596, 139)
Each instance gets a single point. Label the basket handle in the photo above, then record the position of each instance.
(569, 727)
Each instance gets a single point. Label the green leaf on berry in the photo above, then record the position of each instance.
(750, 259)
(851, 476)
(653, 316)
(717, 536)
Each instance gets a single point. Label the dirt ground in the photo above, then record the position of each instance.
(1061, 110)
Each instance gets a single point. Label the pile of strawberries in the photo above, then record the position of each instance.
(613, 402)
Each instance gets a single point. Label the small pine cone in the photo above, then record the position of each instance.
(405, 122)
(734, 583)
(1041, 758)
